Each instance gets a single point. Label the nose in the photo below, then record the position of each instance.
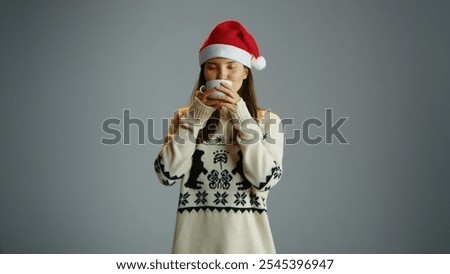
(222, 74)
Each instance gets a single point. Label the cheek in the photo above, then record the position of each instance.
(237, 79)
(236, 76)
(210, 75)
(237, 84)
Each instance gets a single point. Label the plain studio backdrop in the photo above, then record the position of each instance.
(67, 66)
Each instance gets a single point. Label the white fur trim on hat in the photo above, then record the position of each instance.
(259, 63)
(226, 51)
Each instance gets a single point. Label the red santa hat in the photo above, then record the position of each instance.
(230, 39)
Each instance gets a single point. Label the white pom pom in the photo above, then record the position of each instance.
(259, 63)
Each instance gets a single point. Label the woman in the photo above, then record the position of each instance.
(225, 152)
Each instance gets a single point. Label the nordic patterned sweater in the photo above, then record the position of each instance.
(225, 181)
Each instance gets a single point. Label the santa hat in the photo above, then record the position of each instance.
(230, 39)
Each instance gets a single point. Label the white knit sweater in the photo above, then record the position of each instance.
(224, 182)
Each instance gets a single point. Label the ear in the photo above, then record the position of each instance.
(245, 73)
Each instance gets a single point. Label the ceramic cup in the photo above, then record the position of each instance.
(215, 83)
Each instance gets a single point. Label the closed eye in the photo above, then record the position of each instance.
(209, 66)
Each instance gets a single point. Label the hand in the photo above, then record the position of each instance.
(229, 100)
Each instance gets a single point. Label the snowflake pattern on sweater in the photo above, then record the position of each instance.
(226, 174)
(216, 187)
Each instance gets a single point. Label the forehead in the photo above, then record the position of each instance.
(221, 60)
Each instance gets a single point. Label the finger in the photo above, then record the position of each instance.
(230, 87)
(216, 102)
(211, 102)
(204, 95)
(209, 92)
(228, 94)
(225, 87)
(229, 106)
(226, 99)
(218, 94)
(198, 93)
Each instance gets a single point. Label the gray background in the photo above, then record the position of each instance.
(68, 65)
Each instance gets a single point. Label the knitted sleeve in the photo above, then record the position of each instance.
(180, 142)
(261, 145)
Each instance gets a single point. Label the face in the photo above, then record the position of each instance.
(226, 69)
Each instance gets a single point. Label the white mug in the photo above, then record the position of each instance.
(215, 83)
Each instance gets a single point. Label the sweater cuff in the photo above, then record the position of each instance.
(241, 114)
(201, 111)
